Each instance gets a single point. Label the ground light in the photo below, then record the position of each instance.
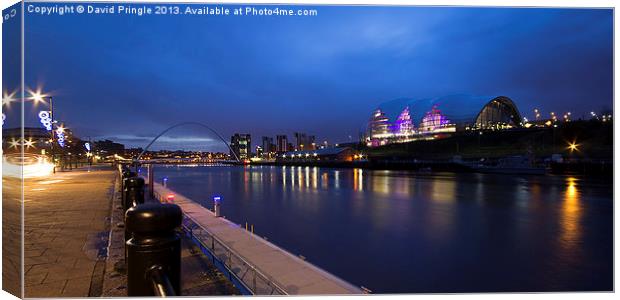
(216, 206)
(170, 198)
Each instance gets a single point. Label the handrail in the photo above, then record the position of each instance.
(229, 253)
(255, 269)
(162, 286)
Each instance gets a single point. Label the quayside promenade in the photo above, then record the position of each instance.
(289, 273)
(74, 240)
(65, 232)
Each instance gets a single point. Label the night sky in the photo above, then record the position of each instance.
(127, 78)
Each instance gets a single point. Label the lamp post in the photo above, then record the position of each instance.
(51, 104)
(38, 97)
(52, 134)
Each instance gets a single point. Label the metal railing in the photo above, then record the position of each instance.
(242, 273)
(162, 286)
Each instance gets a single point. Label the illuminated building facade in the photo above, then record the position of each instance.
(434, 121)
(404, 128)
(379, 132)
(268, 147)
(304, 141)
(259, 151)
(437, 117)
(281, 143)
(241, 145)
(311, 142)
(300, 141)
(500, 113)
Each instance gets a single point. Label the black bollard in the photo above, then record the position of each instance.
(124, 168)
(154, 250)
(133, 191)
(126, 173)
(133, 195)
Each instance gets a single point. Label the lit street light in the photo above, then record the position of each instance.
(38, 97)
(573, 146)
(8, 98)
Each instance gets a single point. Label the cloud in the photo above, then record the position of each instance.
(322, 75)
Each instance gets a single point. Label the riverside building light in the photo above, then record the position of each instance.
(458, 113)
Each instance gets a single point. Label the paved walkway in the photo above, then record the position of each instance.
(294, 275)
(66, 232)
(199, 277)
(11, 235)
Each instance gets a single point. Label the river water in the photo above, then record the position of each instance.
(405, 232)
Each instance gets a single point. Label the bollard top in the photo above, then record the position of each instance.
(153, 218)
(129, 174)
(134, 181)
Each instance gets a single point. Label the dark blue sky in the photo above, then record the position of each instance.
(128, 77)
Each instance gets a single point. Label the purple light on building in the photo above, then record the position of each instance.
(403, 126)
(433, 120)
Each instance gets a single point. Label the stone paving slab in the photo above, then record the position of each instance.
(294, 275)
(65, 231)
(11, 234)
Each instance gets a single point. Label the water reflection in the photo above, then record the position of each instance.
(358, 180)
(337, 179)
(324, 180)
(423, 226)
(443, 190)
(380, 184)
(571, 215)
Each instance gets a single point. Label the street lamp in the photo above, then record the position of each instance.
(573, 146)
(38, 97)
(8, 98)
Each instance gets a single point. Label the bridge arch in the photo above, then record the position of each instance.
(183, 124)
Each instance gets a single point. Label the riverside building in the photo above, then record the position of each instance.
(423, 119)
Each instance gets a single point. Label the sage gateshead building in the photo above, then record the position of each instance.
(423, 119)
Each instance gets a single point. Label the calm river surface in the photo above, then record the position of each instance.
(399, 231)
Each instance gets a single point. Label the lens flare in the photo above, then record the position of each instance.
(27, 166)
